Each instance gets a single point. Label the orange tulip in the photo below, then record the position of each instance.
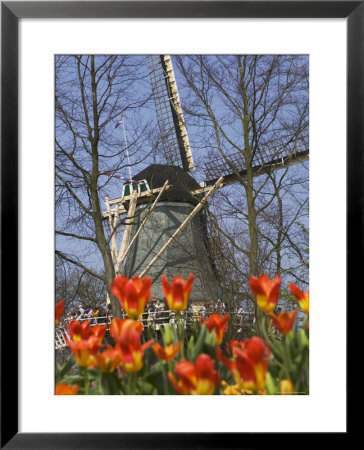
(121, 328)
(85, 351)
(195, 379)
(108, 360)
(249, 363)
(65, 389)
(284, 321)
(132, 294)
(85, 341)
(217, 323)
(302, 297)
(286, 387)
(266, 291)
(59, 310)
(127, 333)
(177, 293)
(83, 331)
(168, 353)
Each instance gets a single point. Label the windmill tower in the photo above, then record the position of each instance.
(169, 236)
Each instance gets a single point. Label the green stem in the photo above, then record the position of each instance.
(85, 377)
(133, 379)
(130, 384)
(180, 334)
(285, 357)
(299, 369)
(102, 383)
(257, 320)
(165, 380)
(271, 331)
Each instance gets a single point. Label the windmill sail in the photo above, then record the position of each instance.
(173, 131)
(271, 156)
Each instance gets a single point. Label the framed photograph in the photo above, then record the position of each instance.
(320, 46)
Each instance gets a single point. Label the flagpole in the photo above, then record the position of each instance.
(126, 147)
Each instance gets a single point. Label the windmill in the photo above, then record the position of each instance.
(169, 235)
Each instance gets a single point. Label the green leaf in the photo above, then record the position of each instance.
(199, 343)
(93, 391)
(73, 379)
(62, 370)
(155, 372)
(167, 335)
(190, 348)
(271, 388)
(304, 338)
(211, 339)
(94, 373)
(277, 350)
(146, 388)
(114, 384)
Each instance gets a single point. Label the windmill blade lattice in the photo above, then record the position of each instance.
(270, 156)
(173, 132)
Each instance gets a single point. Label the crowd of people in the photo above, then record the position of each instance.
(94, 314)
(157, 309)
(213, 306)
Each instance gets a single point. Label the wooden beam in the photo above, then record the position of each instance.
(122, 256)
(177, 114)
(114, 249)
(128, 226)
(143, 194)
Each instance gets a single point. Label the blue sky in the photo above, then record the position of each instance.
(138, 118)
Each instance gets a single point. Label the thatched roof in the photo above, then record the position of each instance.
(181, 181)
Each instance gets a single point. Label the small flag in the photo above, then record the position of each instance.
(118, 123)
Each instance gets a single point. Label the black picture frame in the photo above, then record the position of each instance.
(11, 12)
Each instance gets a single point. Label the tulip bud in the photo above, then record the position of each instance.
(286, 387)
(167, 335)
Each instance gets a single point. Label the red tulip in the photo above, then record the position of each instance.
(284, 321)
(168, 353)
(302, 297)
(266, 291)
(108, 360)
(85, 341)
(177, 293)
(217, 323)
(132, 294)
(195, 379)
(120, 328)
(249, 363)
(59, 310)
(65, 389)
(127, 333)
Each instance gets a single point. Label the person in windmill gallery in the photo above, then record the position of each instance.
(88, 313)
(220, 307)
(95, 314)
(150, 307)
(203, 312)
(81, 313)
(159, 307)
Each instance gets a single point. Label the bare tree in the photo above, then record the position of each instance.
(92, 92)
(77, 287)
(247, 111)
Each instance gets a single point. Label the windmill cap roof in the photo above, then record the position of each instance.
(181, 182)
